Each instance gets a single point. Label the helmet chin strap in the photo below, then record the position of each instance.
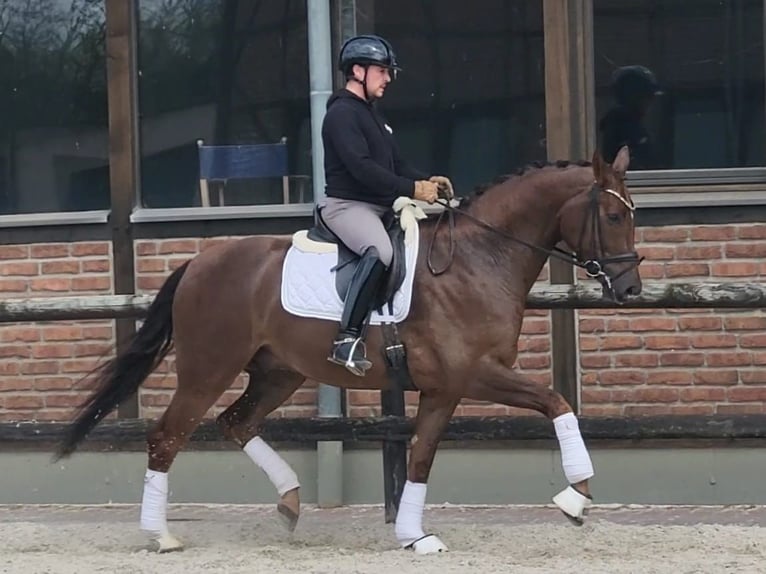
(363, 82)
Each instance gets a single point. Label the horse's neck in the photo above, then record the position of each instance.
(529, 213)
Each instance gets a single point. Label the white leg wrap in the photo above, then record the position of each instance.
(279, 472)
(154, 505)
(409, 518)
(574, 456)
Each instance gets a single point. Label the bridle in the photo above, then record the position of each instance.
(594, 268)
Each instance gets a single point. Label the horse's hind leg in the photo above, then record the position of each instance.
(434, 412)
(240, 422)
(496, 383)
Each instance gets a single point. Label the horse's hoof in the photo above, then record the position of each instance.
(168, 543)
(289, 509)
(573, 504)
(428, 544)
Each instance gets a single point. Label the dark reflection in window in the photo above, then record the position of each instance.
(469, 102)
(53, 106)
(682, 83)
(226, 72)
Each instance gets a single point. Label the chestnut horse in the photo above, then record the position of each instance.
(222, 312)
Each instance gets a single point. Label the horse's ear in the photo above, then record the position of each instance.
(598, 165)
(622, 161)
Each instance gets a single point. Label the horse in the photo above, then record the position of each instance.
(221, 311)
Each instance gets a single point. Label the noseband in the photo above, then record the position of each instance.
(593, 267)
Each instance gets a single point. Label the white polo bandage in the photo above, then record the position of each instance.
(574, 456)
(154, 504)
(279, 472)
(409, 518)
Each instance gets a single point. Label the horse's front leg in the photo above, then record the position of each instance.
(434, 412)
(496, 383)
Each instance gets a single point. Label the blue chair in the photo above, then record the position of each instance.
(224, 162)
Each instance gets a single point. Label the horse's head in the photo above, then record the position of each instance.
(599, 225)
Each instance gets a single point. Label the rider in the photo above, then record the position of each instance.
(364, 175)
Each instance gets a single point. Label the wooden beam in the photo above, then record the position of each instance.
(114, 434)
(123, 157)
(581, 296)
(569, 135)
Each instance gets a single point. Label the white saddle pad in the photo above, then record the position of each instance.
(308, 285)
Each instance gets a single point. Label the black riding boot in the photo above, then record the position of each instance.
(348, 349)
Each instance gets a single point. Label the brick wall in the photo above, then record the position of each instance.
(40, 363)
(632, 361)
(681, 361)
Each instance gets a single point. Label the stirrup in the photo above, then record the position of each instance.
(359, 366)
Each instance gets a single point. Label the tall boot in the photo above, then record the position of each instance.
(349, 349)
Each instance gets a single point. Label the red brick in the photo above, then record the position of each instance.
(687, 270)
(652, 270)
(15, 384)
(739, 409)
(622, 377)
(661, 377)
(715, 377)
(59, 284)
(755, 377)
(664, 234)
(13, 285)
(95, 332)
(752, 340)
(596, 396)
(681, 359)
(592, 325)
(151, 265)
(12, 334)
(618, 342)
(20, 351)
(647, 410)
(591, 361)
(534, 361)
(87, 248)
(657, 252)
(23, 402)
(700, 323)
(534, 345)
(39, 367)
(666, 342)
(735, 269)
(535, 326)
(96, 266)
(713, 233)
(757, 231)
(92, 283)
(61, 400)
(698, 252)
(52, 351)
(19, 268)
(702, 394)
(179, 246)
(601, 410)
(653, 324)
(746, 250)
(746, 394)
(14, 251)
(655, 395)
(713, 340)
(44, 251)
(146, 248)
(744, 323)
(62, 333)
(66, 266)
(617, 325)
(174, 263)
(92, 349)
(729, 359)
(150, 282)
(54, 383)
(589, 343)
(9, 368)
(636, 360)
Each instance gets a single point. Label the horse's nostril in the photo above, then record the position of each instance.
(633, 290)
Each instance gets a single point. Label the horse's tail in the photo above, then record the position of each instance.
(119, 378)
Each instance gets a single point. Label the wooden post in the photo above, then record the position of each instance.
(394, 456)
(569, 135)
(123, 151)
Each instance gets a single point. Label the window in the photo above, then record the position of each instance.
(54, 139)
(469, 102)
(681, 82)
(227, 73)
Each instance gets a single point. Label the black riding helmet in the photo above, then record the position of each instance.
(366, 50)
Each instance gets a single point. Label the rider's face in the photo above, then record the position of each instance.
(378, 78)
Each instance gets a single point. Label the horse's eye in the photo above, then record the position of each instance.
(613, 217)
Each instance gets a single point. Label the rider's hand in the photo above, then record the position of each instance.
(426, 191)
(445, 186)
